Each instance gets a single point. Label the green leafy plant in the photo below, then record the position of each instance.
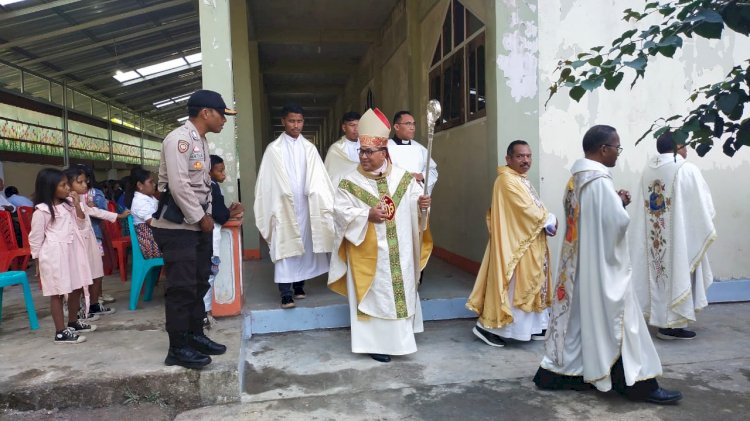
(718, 107)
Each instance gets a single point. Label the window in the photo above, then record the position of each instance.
(457, 71)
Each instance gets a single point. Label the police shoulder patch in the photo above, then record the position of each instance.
(183, 146)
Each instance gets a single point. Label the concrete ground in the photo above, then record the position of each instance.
(312, 375)
(122, 361)
(119, 373)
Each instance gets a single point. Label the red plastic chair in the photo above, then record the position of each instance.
(120, 245)
(24, 221)
(9, 249)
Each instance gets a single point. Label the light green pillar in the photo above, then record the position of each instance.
(246, 87)
(512, 79)
(216, 49)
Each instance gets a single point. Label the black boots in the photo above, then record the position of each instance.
(187, 357)
(205, 345)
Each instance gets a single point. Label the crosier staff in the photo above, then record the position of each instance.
(433, 113)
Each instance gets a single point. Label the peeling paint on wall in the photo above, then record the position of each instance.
(519, 65)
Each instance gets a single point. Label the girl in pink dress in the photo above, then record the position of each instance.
(56, 242)
(76, 176)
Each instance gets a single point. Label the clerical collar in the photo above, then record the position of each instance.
(401, 141)
(350, 140)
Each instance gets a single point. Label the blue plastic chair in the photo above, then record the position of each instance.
(144, 270)
(16, 277)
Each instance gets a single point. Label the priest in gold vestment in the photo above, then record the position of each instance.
(377, 248)
(512, 290)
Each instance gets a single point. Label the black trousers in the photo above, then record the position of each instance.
(187, 260)
(546, 379)
(286, 288)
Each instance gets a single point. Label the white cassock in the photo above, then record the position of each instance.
(341, 159)
(412, 158)
(672, 230)
(384, 303)
(595, 313)
(294, 209)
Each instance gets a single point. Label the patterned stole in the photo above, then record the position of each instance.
(566, 276)
(394, 256)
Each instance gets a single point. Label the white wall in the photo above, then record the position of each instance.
(663, 93)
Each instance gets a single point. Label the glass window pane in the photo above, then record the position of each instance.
(447, 39)
(57, 94)
(472, 24)
(81, 102)
(99, 109)
(69, 97)
(480, 78)
(36, 86)
(435, 85)
(458, 23)
(472, 82)
(437, 55)
(447, 94)
(10, 77)
(456, 91)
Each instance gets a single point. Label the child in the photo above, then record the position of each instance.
(94, 198)
(142, 204)
(77, 179)
(221, 215)
(56, 242)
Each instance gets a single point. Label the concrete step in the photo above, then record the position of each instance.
(443, 292)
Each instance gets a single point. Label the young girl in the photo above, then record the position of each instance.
(140, 199)
(94, 198)
(77, 179)
(56, 242)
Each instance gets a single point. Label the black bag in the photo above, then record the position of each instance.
(172, 213)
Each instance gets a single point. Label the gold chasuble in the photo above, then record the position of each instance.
(517, 246)
(394, 190)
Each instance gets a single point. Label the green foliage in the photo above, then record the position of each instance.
(719, 107)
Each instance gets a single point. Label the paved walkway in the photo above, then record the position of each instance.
(312, 375)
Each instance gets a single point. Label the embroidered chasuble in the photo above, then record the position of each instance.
(672, 230)
(377, 265)
(595, 316)
(341, 159)
(517, 245)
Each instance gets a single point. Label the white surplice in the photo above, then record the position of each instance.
(412, 158)
(341, 159)
(672, 230)
(294, 209)
(595, 316)
(391, 307)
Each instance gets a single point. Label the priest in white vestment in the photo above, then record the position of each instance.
(342, 156)
(597, 335)
(672, 229)
(512, 290)
(294, 208)
(378, 254)
(407, 153)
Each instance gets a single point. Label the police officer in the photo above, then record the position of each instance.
(182, 228)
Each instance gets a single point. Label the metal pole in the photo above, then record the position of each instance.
(66, 151)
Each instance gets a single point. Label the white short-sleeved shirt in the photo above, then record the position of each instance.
(143, 208)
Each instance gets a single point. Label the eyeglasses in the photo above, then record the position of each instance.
(619, 148)
(368, 152)
(408, 123)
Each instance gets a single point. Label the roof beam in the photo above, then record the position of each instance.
(307, 36)
(111, 42)
(305, 89)
(34, 9)
(318, 66)
(119, 57)
(96, 22)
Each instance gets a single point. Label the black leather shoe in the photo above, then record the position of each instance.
(205, 345)
(664, 397)
(187, 357)
(383, 358)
